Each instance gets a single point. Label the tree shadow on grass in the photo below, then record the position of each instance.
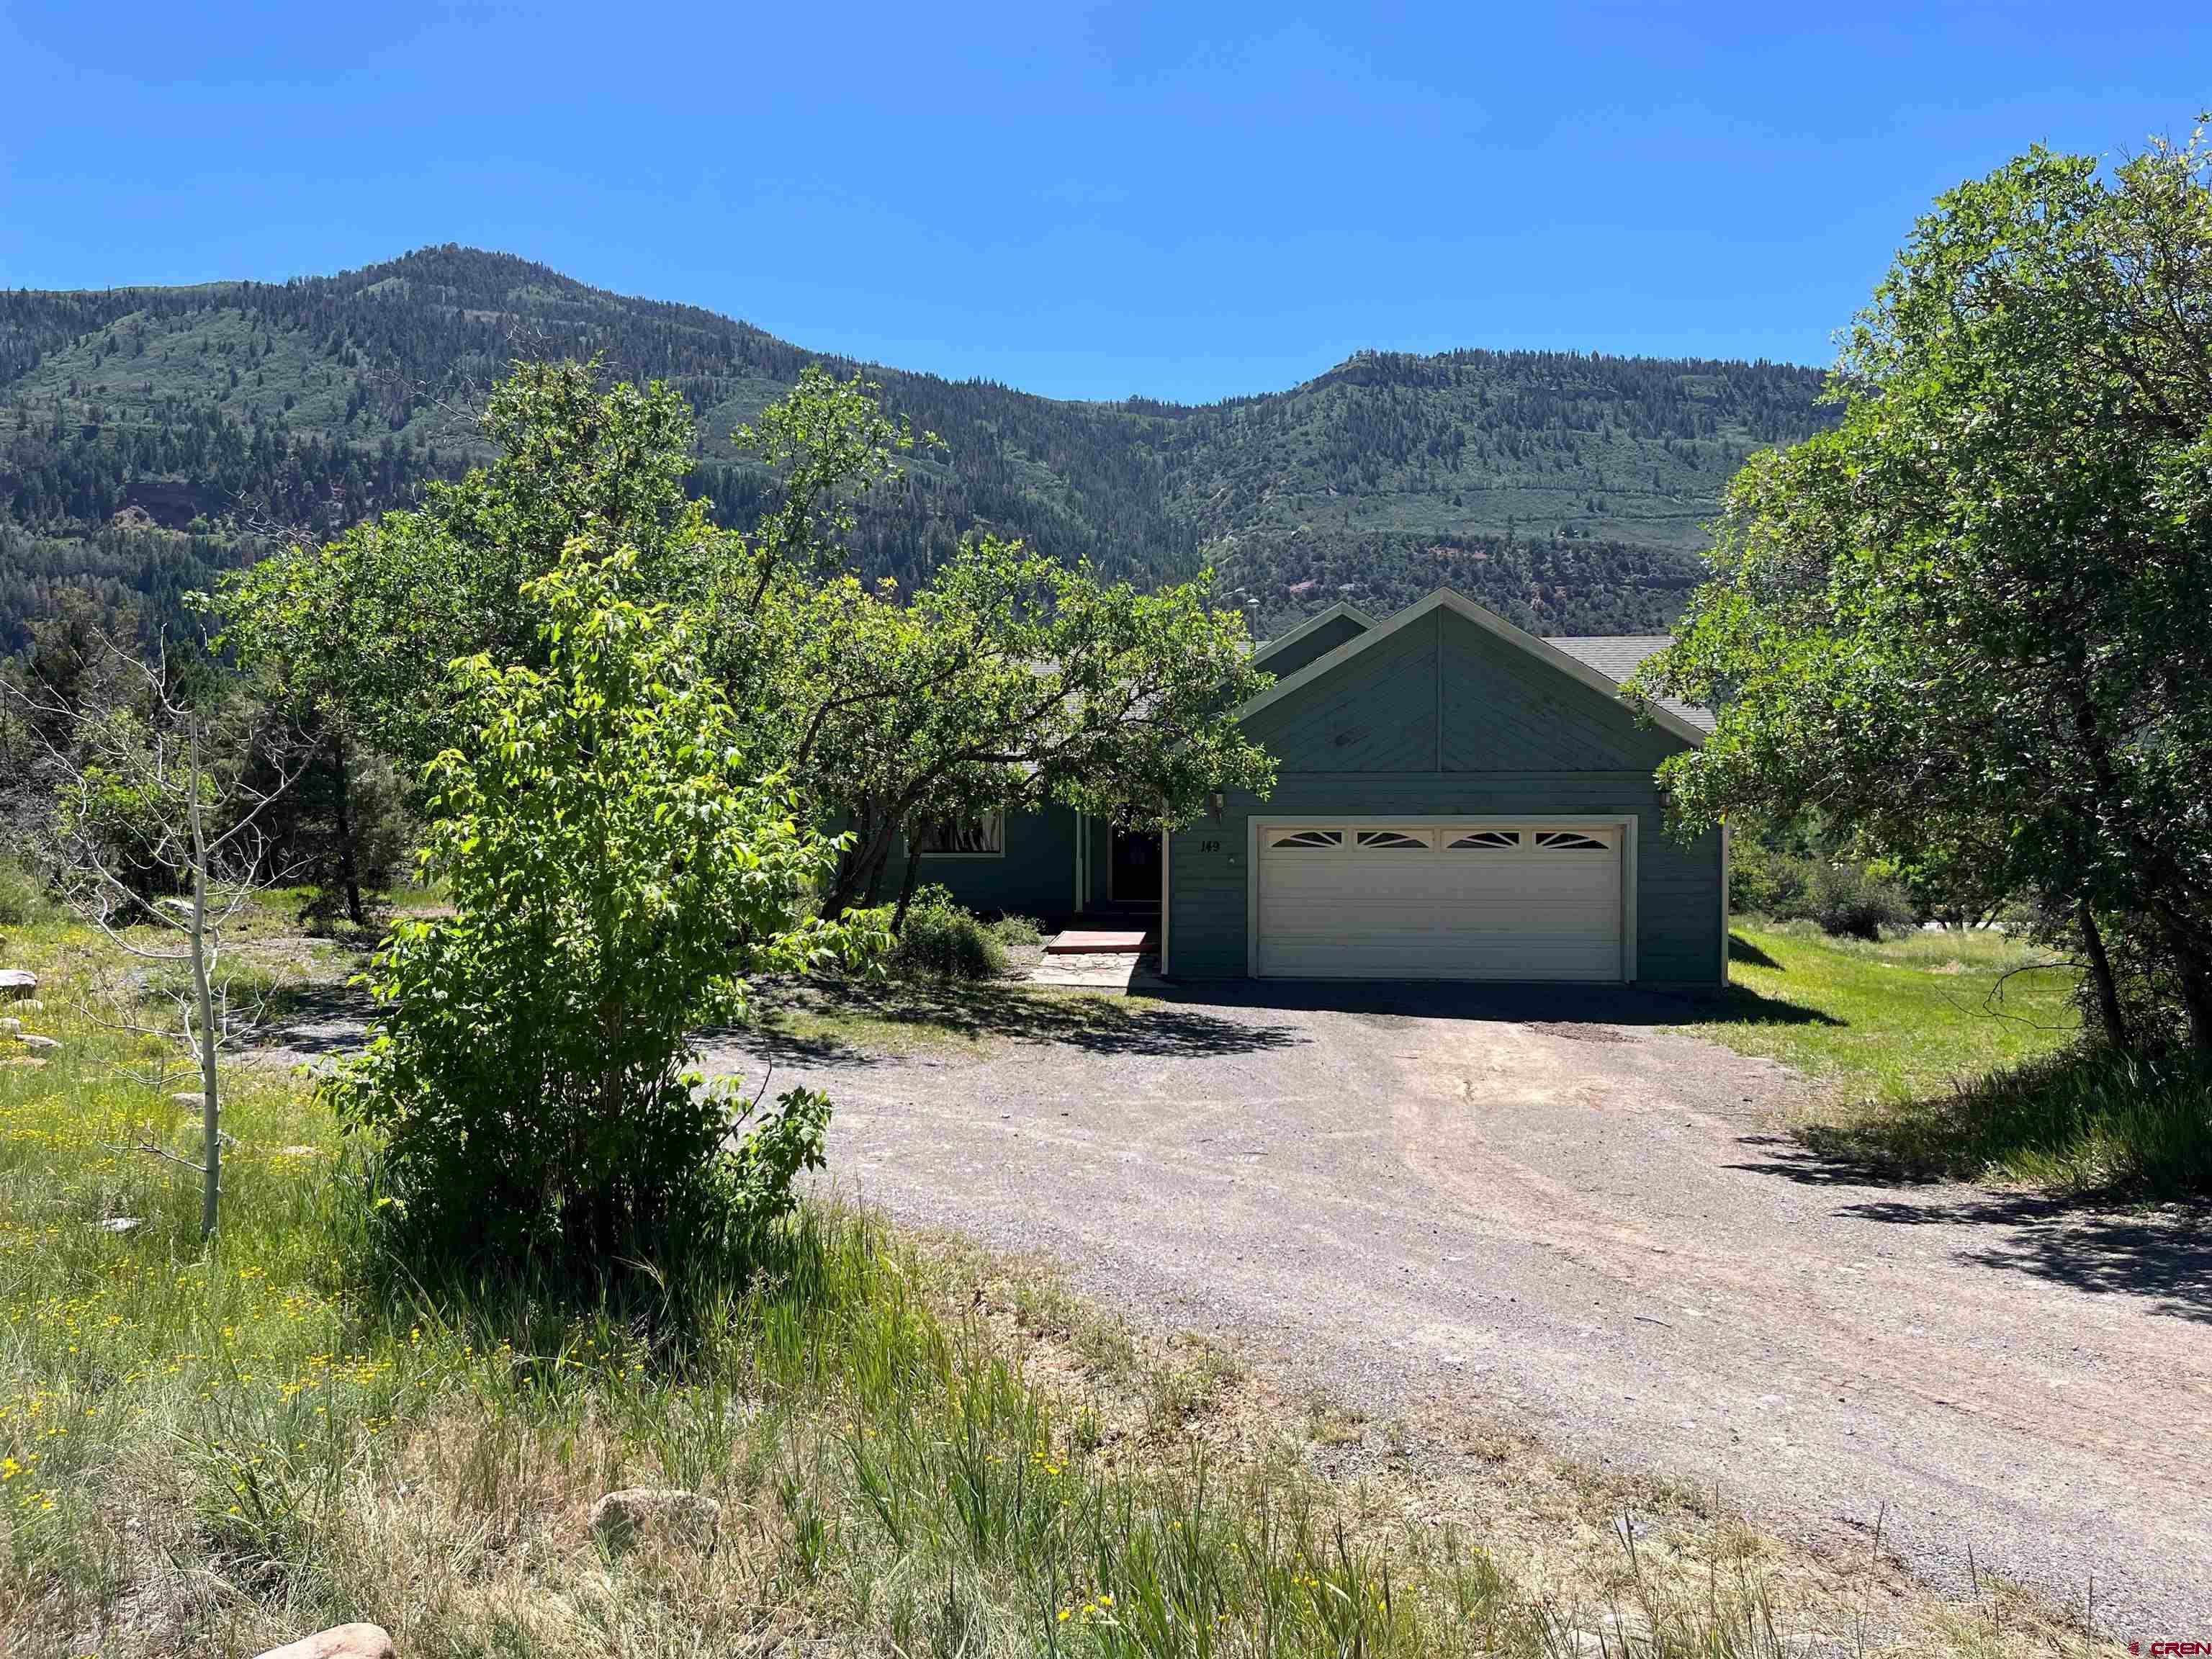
(678, 1307)
(829, 1022)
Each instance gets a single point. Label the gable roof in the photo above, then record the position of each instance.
(1545, 651)
(1314, 624)
(1617, 656)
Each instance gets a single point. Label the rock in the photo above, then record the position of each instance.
(341, 1642)
(119, 1223)
(11, 1027)
(37, 1043)
(17, 982)
(191, 1097)
(623, 1518)
(20, 1060)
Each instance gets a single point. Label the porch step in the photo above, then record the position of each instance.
(1099, 941)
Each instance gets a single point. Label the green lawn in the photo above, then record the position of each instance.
(918, 1449)
(1954, 1056)
(1895, 1021)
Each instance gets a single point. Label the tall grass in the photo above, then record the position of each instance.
(211, 1451)
(23, 898)
(1959, 1056)
(2079, 1121)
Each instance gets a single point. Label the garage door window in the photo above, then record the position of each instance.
(1310, 838)
(1487, 841)
(1569, 841)
(1393, 840)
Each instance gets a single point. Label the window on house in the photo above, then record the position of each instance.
(1487, 841)
(983, 836)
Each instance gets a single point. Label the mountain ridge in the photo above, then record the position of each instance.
(151, 436)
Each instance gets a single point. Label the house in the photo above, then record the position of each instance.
(1455, 800)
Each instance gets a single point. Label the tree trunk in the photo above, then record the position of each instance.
(349, 870)
(2166, 892)
(906, 886)
(2100, 975)
(204, 996)
(857, 870)
(2191, 968)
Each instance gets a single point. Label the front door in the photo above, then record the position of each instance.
(1134, 876)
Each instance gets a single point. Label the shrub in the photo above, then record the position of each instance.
(613, 866)
(941, 940)
(22, 895)
(1765, 882)
(1017, 932)
(1849, 899)
(1841, 895)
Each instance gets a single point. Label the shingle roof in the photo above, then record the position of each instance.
(1617, 656)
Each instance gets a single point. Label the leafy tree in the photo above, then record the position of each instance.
(616, 863)
(1978, 615)
(1010, 681)
(358, 632)
(1007, 681)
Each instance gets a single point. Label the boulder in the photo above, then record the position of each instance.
(340, 1641)
(36, 1043)
(120, 1224)
(668, 1514)
(11, 1027)
(17, 982)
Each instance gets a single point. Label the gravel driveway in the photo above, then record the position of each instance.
(1538, 1205)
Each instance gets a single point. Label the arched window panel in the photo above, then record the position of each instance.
(1570, 840)
(1393, 840)
(1315, 838)
(1487, 841)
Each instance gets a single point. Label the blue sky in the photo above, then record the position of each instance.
(1188, 201)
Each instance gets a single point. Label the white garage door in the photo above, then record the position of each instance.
(1476, 901)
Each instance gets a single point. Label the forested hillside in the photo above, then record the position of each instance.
(151, 436)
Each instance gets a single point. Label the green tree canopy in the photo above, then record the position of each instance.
(1975, 621)
(1006, 680)
(616, 861)
(1009, 682)
(358, 633)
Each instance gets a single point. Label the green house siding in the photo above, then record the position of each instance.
(1285, 661)
(1445, 719)
(1035, 877)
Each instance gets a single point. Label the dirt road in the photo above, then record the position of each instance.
(1554, 1211)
